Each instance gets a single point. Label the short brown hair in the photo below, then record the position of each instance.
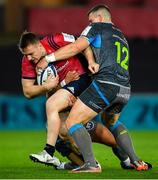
(26, 39)
(98, 7)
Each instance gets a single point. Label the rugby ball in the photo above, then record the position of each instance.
(49, 70)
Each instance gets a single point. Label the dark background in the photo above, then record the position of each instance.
(18, 15)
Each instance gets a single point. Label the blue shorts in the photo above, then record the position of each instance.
(78, 86)
(106, 96)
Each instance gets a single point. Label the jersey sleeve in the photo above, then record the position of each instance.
(60, 39)
(89, 34)
(93, 35)
(28, 69)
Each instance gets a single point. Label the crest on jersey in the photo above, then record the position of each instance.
(86, 30)
(89, 125)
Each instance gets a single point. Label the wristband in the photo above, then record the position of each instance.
(50, 58)
(62, 83)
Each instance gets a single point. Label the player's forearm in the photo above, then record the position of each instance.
(63, 53)
(68, 51)
(88, 53)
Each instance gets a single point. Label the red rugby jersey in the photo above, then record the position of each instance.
(28, 69)
(51, 44)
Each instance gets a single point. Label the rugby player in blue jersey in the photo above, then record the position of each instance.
(109, 90)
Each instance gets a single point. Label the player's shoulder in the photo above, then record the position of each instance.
(86, 30)
(68, 37)
(98, 26)
(58, 40)
(53, 40)
(25, 60)
(45, 39)
(91, 28)
(64, 37)
(95, 25)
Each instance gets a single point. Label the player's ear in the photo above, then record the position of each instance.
(100, 17)
(39, 44)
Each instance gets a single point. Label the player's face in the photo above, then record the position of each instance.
(34, 52)
(94, 18)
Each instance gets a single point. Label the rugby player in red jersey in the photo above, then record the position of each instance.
(33, 51)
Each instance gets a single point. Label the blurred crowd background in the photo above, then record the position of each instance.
(136, 18)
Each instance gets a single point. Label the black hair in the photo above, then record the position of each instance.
(26, 39)
(97, 7)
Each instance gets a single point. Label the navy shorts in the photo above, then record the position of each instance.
(78, 86)
(105, 96)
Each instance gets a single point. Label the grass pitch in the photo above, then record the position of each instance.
(15, 148)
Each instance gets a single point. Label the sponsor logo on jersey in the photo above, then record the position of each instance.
(62, 67)
(94, 105)
(126, 96)
(89, 125)
(68, 37)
